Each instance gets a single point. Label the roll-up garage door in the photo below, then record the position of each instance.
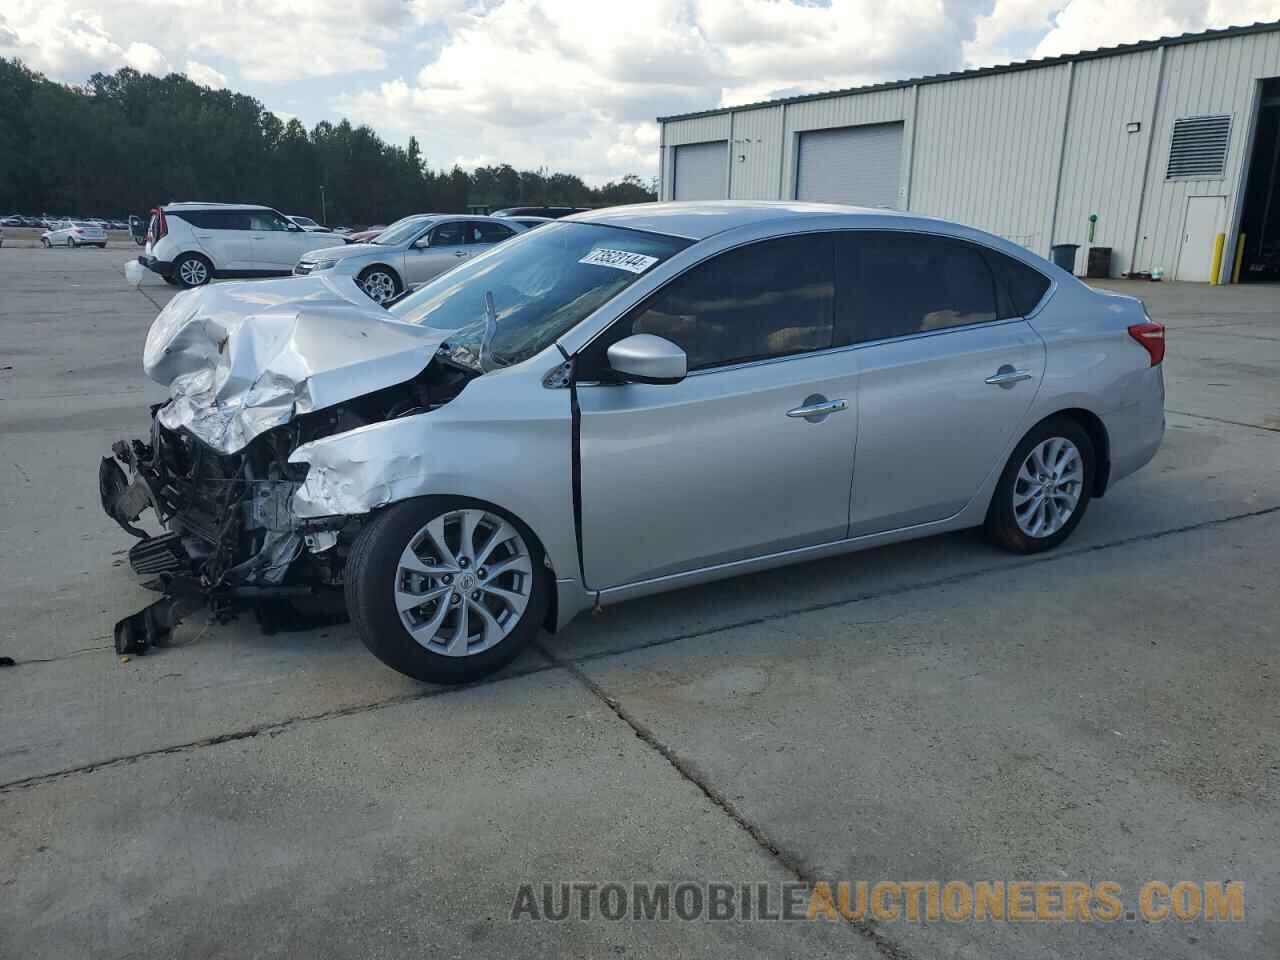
(858, 165)
(702, 171)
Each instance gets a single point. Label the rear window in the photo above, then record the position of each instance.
(1023, 286)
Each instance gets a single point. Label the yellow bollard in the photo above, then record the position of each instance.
(1216, 269)
(1235, 271)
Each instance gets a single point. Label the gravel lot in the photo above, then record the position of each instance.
(931, 711)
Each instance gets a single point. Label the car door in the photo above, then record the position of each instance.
(223, 235)
(752, 452)
(947, 373)
(445, 247)
(276, 247)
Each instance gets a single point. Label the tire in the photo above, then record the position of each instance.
(46, 243)
(71, 242)
(101, 246)
(379, 283)
(172, 282)
(1023, 506)
(377, 582)
(192, 270)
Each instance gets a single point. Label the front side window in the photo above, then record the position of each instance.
(267, 220)
(511, 302)
(448, 234)
(895, 284)
(766, 299)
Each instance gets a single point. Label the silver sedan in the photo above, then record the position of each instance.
(631, 401)
(410, 252)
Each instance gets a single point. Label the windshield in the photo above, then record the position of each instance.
(401, 231)
(515, 300)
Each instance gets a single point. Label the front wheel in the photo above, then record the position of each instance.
(1044, 489)
(446, 589)
(45, 242)
(380, 283)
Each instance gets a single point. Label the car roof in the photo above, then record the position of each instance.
(194, 204)
(699, 219)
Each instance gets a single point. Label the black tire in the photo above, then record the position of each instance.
(371, 572)
(71, 242)
(45, 242)
(102, 246)
(1001, 525)
(366, 276)
(172, 282)
(193, 260)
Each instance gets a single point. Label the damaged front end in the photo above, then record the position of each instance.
(255, 371)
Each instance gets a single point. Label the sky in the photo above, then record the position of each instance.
(570, 85)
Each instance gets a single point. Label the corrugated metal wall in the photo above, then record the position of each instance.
(987, 152)
(1030, 154)
(1217, 76)
(1102, 162)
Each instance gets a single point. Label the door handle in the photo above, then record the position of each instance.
(460, 254)
(816, 408)
(1007, 376)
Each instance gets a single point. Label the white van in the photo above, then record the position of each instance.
(191, 243)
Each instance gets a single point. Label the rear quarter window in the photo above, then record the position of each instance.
(1023, 287)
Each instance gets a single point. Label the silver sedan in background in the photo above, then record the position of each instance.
(74, 233)
(410, 252)
(626, 402)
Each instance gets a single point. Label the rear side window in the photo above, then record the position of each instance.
(895, 284)
(1023, 286)
(766, 299)
(214, 219)
(488, 233)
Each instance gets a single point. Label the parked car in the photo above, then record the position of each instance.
(412, 253)
(1, 235)
(191, 243)
(13, 221)
(306, 223)
(553, 213)
(629, 402)
(74, 233)
(368, 233)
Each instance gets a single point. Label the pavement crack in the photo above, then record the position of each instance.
(274, 727)
(794, 865)
(1234, 423)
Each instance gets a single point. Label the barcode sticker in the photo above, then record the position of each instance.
(619, 260)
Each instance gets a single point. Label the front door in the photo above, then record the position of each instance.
(1199, 234)
(946, 374)
(441, 248)
(276, 247)
(727, 464)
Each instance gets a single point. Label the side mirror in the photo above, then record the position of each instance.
(294, 228)
(422, 242)
(644, 358)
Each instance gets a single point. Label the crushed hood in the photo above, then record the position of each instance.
(242, 358)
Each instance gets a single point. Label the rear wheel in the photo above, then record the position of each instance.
(192, 270)
(379, 282)
(1044, 489)
(446, 589)
(71, 242)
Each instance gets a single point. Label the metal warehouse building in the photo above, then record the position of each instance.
(1172, 145)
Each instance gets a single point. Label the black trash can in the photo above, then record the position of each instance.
(1064, 255)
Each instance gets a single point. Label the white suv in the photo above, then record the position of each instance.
(191, 243)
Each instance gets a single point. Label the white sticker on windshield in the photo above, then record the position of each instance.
(619, 260)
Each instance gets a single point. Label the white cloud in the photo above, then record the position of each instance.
(205, 75)
(567, 84)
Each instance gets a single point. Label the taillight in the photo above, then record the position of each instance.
(1150, 337)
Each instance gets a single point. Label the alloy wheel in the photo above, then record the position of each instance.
(463, 582)
(1047, 488)
(193, 272)
(380, 286)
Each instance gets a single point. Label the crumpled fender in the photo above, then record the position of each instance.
(505, 440)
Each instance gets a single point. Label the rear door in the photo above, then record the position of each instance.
(445, 248)
(481, 235)
(947, 372)
(222, 234)
(725, 465)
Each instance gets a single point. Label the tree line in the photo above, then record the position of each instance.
(127, 141)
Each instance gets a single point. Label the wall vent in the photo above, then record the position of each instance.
(1199, 148)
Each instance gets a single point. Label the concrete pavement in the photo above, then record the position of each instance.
(936, 710)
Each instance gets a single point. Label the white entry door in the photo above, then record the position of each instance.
(1199, 230)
